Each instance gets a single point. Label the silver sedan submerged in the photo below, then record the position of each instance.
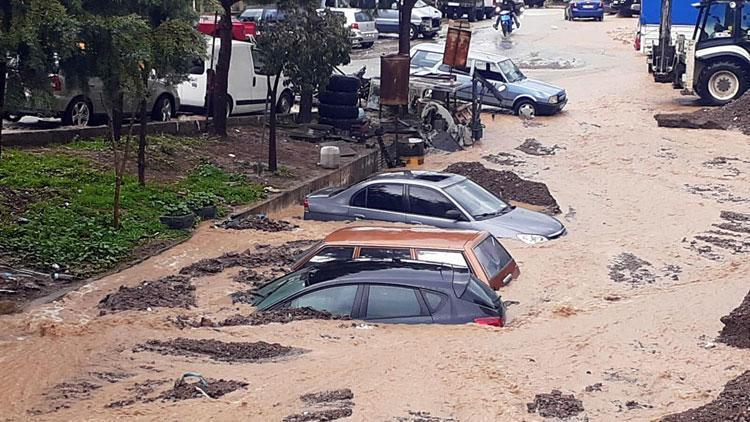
(437, 199)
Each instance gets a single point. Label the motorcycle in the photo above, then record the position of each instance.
(506, 22)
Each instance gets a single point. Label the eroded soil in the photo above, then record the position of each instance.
(259, 222)
(736, 331)
(730, 116)
(732, 404)
(217, 350)
(167, 292)
(555, 405)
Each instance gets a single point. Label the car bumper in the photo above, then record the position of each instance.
(360, 37)
(549, 109)
(587, 13)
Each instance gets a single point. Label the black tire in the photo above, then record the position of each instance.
(522, 104)
(338, 111)
(75, 114)
(367, 44)
(413, 32)
(341, 83)
(285, 103)
(472, 16)
(429, 35)
(12, 117)
(338, 98)
(714, 70)
(163, 110)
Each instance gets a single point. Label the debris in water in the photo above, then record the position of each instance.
(212, 388)
(533, 147)
(555, 405)
(420, 416)
(733, 404)
(217, 350)
(167, 292)
(328, 396)
(259, 222)
(327, 406)
(320, 415)
(732, 235)
(736, 331)
(504, 159)
(507, 185)
(631, 269)
(594, 387)
(715, 191)
(279, 316)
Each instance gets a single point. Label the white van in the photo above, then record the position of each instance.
(247, 88)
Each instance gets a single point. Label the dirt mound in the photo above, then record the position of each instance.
(167, 292)
(263, 256)
(730, 116)
(736, 331)
(326, 406)
(555, 405)
(508, 185)
(733, 404)
(328, 396)
(259, 278)
(209, 387)
(259, 222)
(533, 147)
(216, 350)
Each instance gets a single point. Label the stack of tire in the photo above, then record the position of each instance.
(339, 103)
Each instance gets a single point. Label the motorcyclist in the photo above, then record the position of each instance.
(510, 6)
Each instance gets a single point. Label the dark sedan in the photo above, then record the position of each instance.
(399, 292)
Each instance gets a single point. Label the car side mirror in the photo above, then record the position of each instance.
(394, 6)
(454, 215)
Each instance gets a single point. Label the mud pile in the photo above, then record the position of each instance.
(730, 116)
(731, 235)
(216, 350)
(263, 256)
(325, 406)
(259, 278)
(504, 159)
(281, 316)
(211, 387)
(627, 267)
(259, 222)
(555, 405)
(533, 147)
(508, 185)
(736, 331)
(167, 292)
(733, 404)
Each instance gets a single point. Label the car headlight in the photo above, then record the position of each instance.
(553, 99)
(531, 239)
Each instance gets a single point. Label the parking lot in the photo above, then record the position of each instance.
(621, 312)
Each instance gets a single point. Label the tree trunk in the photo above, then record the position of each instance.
(404, 26)
(3, 71)
(142, 145)
(305, 106)
(116, 127)
(272, 164)
(221, 79)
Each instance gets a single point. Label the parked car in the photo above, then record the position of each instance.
(247, 87)
(433, 198)
(362, 26)
(520, 94)
(576, 9)
(425, 20)
(79, 107)
(261, 16)
(478, 251)
(624, 7)
(534, 3)
(404, 292)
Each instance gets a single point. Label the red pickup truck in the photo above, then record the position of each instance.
(242, 31)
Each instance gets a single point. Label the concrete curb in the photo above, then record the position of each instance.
(63, 135)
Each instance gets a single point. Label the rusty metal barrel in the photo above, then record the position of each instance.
(394, 79)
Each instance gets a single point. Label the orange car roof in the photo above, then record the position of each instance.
(418, 237)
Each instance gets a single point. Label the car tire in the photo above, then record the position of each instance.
(342, 83)
(429, 35)
(12, 117)
(338, 111)
(524, 107)
(79, 113)
(366, 45)
(338, 98)
(472, 16)
(413, 32)
(722, 76)
(163, 110)
(285, 103)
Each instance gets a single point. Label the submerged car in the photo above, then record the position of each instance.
(517, 92)
(433, 198)
(404, 292)
(576, 9)
(478, 251)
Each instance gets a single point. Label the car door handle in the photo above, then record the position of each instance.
(359, 216)
(507, 279)
(194, 84)
(253, 80)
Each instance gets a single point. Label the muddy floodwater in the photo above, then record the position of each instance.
(617, 320)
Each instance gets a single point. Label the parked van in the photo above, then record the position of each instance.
(247, 88)
(425, 19)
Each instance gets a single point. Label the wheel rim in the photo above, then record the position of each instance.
(229, 108)
(723, 85)
(81, 114)
(285, 106)
(166, 110)
(526, 110)
(411, 33)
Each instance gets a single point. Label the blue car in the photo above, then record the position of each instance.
(593, 9)
(517, 92)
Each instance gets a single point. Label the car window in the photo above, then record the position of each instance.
(384, 253)
(480, 294)
(511, 72)
(332, 253)
(359, 199)
(363, 17)
(279, 289)
(492, 256)
(442, 257)
(197, 67)
(392, 302)
(433, 299)
(257, 61)
(428, 59)
(429, 202)
(337, 300)
(718, 21)
(745, 24)
(476, 200)
(387, 197)
(251, 15)
(489, 71)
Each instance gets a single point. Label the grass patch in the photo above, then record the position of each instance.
(73, 226)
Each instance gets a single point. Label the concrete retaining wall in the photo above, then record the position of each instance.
(63, 135)
(349, 173)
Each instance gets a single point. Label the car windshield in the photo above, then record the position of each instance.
(476, 200)
(422, 58)
(511, 71)
(420, 3)
(251, 15)
(279, 289)
(492, 256)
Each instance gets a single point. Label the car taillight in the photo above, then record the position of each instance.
(637, 42)
(493, 321)
(355, 25)
(56, 83)
(306, 204)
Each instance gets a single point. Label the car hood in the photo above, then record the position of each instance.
(427, 12)
(521, 221)
(539, 86)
